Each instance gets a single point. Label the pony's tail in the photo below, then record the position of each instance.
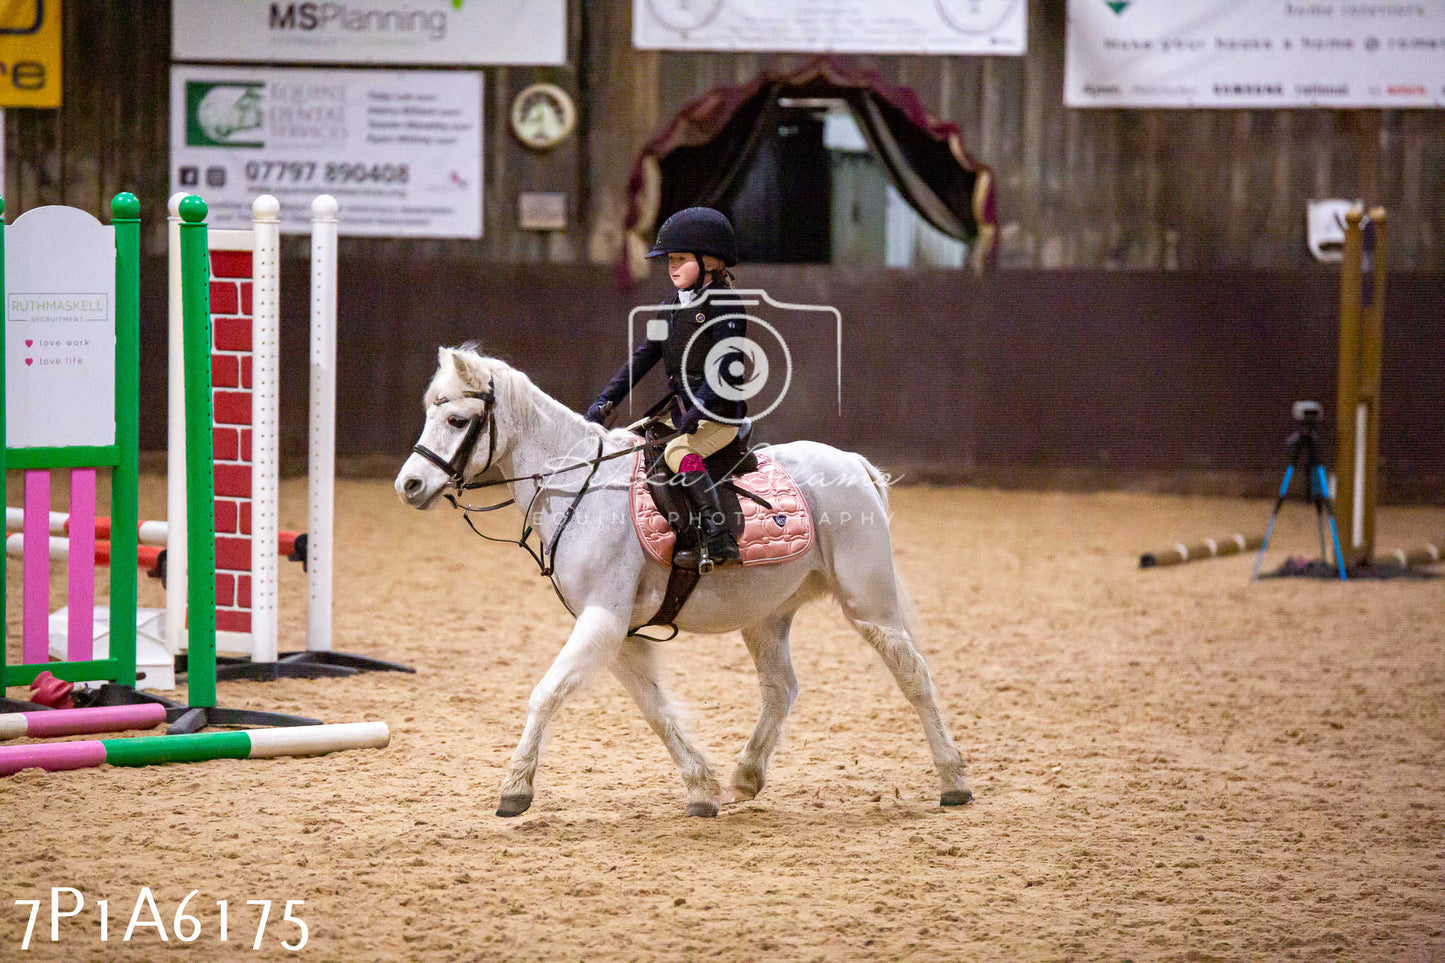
(909, 613)
(879, 482)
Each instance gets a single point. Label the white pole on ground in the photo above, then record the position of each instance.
(321, 457)
(175, 443)
(265, 425)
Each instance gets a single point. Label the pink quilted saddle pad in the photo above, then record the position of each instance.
(776, 535)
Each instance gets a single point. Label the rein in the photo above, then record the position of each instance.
(544, 554)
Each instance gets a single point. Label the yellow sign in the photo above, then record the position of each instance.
(30, 53)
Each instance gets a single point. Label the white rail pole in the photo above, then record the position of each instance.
(175, 443)
(15, 546)
(265, 426)
(321, 458)
(151, 533)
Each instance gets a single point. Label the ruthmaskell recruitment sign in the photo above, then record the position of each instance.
(440, 32)
(1255, 53)
(59, 330)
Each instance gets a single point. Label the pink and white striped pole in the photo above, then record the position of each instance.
(72, 722)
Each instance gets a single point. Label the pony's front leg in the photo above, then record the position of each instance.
(592, 645)
(636, 668)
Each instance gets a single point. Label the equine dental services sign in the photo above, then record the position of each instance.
(401, 150)
(443, 32)
(1255, 53)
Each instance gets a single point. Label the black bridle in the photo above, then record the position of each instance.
(456, 466)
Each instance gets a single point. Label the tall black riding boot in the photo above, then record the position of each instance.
(715, 543)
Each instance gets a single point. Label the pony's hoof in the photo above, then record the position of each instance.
(514, 805)
(956, 797)
(705, 809)
(737, 795)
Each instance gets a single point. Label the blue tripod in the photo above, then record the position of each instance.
(1304, 453)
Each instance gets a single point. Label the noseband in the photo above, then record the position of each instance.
(456, 467)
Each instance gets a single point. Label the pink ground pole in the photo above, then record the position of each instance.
(80, 599)
(35, 606)
(52, 756)
(70, 722)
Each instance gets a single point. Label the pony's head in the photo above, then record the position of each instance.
(472, 416)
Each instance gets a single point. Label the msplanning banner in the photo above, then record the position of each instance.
(851, 26)
(401, 151)
(1255, 53)
(441, 32)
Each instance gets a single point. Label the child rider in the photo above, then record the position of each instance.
(700, 246)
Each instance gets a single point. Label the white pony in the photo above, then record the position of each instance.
(490, 422)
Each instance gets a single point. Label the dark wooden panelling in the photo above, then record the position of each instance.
(1119, 374)
(1146, 189)
(1189, 362)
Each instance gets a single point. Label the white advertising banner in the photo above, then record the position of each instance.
(442, 32)
(1255, 53)
(401, 151)
(59, 330)
(849, 26)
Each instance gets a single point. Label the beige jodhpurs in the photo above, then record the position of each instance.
(710, 438)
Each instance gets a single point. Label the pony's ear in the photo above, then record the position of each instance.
(461, 364)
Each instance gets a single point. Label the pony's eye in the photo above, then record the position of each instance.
(457, 421)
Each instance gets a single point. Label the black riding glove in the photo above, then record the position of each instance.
(599, 411)
(688, 423)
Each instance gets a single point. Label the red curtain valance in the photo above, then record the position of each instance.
(698, 156)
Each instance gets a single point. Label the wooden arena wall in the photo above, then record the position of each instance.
(1154, 313)
(1180, 380)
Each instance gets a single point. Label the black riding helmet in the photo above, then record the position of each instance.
(697, 231)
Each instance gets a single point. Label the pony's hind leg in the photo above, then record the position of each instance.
(636, 668)
(767, 642)
(874, 603)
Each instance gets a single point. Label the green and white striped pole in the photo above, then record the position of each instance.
(195, 747)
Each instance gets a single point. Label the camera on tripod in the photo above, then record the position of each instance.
(1304, 455)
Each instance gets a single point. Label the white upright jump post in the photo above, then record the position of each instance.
(321, 461)
(321, 454)
(265, 426)
(175, 638)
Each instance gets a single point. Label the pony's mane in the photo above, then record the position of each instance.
(527, 406)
